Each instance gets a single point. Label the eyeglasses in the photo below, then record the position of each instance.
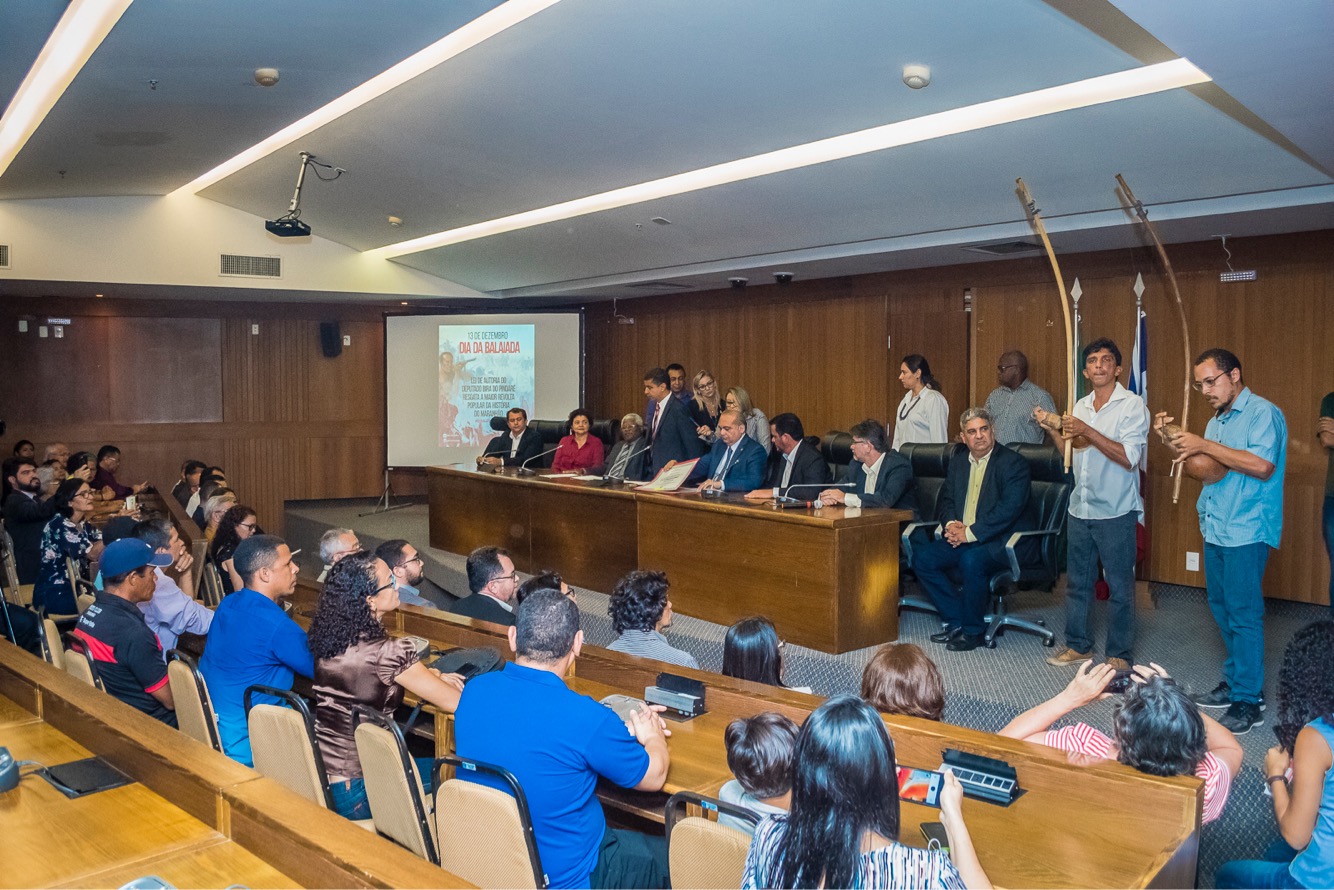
(85, 493)
(408, 562)
(1208, 382)
(389, 586)
(1003, 368)
(248, 526)
(512, 576)
(860, 442)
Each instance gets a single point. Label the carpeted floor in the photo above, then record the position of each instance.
(986, 688)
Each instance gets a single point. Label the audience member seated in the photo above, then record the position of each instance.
(843, 828)
(210, 481)
(66, 534)
(901, 679)
(515, 448)
(171, 612)
(878, 477)
(795, 462)
(640, 612)
(56, 451)
(557, 744)
(493, 581)
(108, 462)
(706, 407)
(626, 460)
(759, 754)
(216, 507)
(252, 641)
(406, 571)
(757, 424)
(113, 631)
(981, 504)
(1156, 729)
(1303, 853)
(753, 651)
(357, 663)
(580, 450)
(51, 473)
(735, 462)
(26, 514)
(545, 580)
(335, 544)
(24, 449)
(238, 522)
(82, 465)
(192, 472)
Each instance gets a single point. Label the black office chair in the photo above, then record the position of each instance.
(836, 449)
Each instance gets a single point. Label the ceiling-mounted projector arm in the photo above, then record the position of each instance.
(294, 209)
(290, 225)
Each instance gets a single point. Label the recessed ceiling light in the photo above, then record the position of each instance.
(404, 303)
(482, 28)
(82, 28)
(1141, 81)
(395, 221)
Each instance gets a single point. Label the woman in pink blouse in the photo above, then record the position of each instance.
(580, 450)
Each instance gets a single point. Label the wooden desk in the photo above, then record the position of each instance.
(11, 714)
(828, 579)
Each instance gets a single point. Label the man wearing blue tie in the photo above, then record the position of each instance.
(736, 461)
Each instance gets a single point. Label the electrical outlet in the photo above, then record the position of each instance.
(254, 329)
(41, 330)
(1192, 561)
(23, 326)
(347, 339)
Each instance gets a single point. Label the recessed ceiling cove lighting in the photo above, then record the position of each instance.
(1141, 81)
(480, 29)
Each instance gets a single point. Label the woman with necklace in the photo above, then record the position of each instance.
(923, 415)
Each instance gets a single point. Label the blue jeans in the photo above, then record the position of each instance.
(1112, 541)
(349, 796)
(1232, 577)
(1328, 525)
(965, 605)
(1271, 872)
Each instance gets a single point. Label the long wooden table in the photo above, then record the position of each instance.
(828, 579)
(1058, 834)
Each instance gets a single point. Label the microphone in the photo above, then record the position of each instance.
(785, 499)
(523, 467)
(608, 479)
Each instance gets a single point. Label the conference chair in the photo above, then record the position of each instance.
(702, 853)
(80, 664)
(393, 785)
(17, 594)
(836, 449)
(194, 708)
(282, 742)
(498, 847)
(211, 585)
(930, 464)
(52, 649)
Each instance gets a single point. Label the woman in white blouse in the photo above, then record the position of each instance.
(923, 415)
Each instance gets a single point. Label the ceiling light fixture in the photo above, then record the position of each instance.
(80, 31)
(480, 29)
(1141, 81)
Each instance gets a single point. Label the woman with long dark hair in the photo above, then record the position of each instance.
(923, 415)
(843, 827)
(358, 663)
(237, 524)
(68, 534)
(753, 651)
(1303, 854)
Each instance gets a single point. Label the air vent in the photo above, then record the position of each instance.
(660, 285)
(4, 256)
(1006, 248)
(237, 266)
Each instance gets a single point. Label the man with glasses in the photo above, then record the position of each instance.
(1241, 517)
(878, 477)
(493, 582)
(1011, 403)
(108, 462)
(407, 568)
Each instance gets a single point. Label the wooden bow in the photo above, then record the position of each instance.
(1035, 217)
(1143, 215)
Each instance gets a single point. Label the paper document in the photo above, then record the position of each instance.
(670, 478)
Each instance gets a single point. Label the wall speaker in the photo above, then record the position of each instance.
(331, 341)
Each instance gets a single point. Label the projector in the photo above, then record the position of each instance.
(287, 228)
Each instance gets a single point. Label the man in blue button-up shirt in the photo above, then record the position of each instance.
(1241, 517)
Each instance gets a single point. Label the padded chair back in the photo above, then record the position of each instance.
(498, 847)
(194, 708)
(211, 586)
(393, 787)
(609, 431)
(11, 578)
(702, 853)
(80, 664)
(84, 590)
(52, 649)
(282, 742)
(1045, 510)
(930, 463)
(836, 449)
(1046, 463)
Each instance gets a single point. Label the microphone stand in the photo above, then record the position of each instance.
(523, 467)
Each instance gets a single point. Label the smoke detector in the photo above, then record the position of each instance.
(916, 76)
(266, 77)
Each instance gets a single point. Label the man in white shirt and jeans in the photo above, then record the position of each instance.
(1110, 427)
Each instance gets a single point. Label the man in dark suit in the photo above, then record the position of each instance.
(795, 462)
(736, 461)
(981, 505)
(520, 444)
(26, 514)
(879, 476)
(671, 433)
(493, 582)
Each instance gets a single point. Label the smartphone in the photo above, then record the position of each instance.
(935, 831)
(920, 786)
(1120, 683)
(131, 503)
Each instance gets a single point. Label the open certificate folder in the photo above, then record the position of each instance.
(670, 478)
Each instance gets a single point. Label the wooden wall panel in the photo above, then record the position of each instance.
(54, 380)
(157, 372)
(350, 386)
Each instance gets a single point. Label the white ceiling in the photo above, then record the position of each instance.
(592, 95)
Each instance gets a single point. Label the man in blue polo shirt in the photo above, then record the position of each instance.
(1241, 517)
(113, 631)
(557, 743)
(252, 641)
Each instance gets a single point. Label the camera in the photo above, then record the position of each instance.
(737, 282)
(783, 277)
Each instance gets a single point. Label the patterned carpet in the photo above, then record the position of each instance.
(986, 688)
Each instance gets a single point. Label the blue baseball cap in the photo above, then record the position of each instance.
(128, 554)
